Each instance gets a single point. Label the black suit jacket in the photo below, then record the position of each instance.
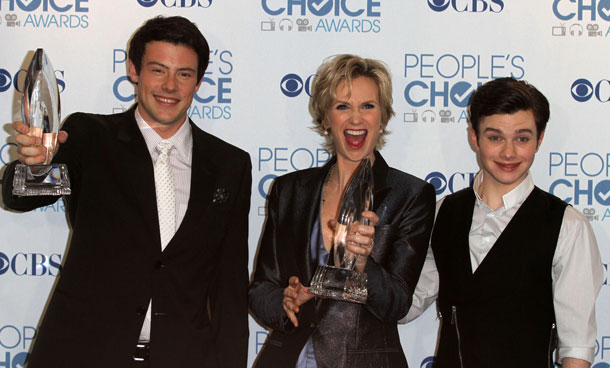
(344, 334)
(114, 264)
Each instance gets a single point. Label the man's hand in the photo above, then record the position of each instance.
(295, 295)
(29, 148)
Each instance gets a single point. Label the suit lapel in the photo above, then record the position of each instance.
(309, 196)
(203, 176)
(139, 170)
(380, 188)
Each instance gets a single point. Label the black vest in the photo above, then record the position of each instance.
(502, 315)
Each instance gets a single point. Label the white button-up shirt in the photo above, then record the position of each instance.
(180, 159)
(577, 271)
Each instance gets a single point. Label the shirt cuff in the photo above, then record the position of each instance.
(587, 354)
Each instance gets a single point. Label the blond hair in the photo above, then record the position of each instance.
(346, 68)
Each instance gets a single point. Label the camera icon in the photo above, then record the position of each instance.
(11, 20)
(446, 116)
(303, 25)
(593, 30)
(590, 214)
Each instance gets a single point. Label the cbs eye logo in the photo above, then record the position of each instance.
(292, 85)
(427, 363)
(5, 154)
(583, 90)
(439, 182)
(4, 263)
(147, 3)
(5, 80)
(438, 5)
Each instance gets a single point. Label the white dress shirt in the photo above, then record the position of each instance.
(577, 271)
(180, 158)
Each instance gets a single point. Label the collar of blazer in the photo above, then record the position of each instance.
(206, 163)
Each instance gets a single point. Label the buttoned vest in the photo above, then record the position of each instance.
(501, 315)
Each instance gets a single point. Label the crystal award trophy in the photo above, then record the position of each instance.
(342, 281)
(41, 112)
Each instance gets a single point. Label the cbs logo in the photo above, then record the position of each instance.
(583, 90)
(470, 6)
(177, 3)
(452, 183)
(5, 80)
(427, 363)
(292, 85)
(17, 80)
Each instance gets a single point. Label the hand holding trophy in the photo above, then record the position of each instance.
(41, 113)
(341, 281)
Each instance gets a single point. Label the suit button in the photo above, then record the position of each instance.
(312, 325)
(159, 265)
(141, 311)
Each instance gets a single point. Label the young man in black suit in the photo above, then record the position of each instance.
(156, 273)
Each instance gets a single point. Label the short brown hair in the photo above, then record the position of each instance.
(507, 96)
(175, 30)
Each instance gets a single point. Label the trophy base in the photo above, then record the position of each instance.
(41, 180)
(339, 284)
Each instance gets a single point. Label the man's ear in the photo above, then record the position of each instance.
(473, 138)
(539, 141)
(199, 84)
(133, 74)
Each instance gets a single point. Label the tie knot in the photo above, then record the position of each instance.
(164, 147)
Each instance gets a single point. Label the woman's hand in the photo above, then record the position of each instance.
(360, 239)
(295, 295)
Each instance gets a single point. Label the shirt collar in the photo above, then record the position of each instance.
(182, 140)
(511, 199)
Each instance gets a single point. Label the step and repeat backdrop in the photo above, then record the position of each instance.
(263, 58)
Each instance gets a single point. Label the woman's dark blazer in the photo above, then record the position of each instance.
(344, 334)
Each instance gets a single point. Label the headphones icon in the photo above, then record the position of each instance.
(286, 23)
(428, 116)
(578, 28)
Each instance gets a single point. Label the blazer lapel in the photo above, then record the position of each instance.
(139, 170)
(310, 194)
(203, 174)
(380, 185)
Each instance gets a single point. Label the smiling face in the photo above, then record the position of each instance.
(506, 146)
(166, 85)
(355, 120)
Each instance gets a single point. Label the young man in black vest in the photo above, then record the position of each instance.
(515, 270)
